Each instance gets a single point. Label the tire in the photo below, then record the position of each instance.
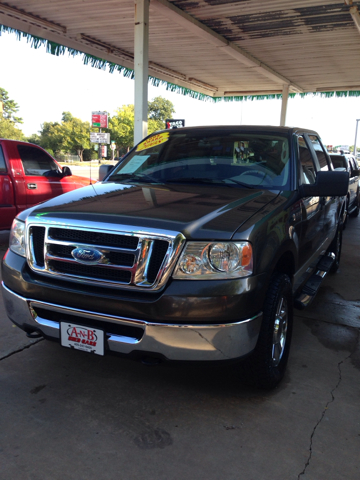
(266, 366)
(335, 248)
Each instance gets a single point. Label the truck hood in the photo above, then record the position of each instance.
(199, 212)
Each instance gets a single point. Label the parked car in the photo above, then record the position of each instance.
(195, 248)
(29, 175)
(349, 164)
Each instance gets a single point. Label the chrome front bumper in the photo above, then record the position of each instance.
(175, 342)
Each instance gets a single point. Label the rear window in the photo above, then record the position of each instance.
(338, 161)
(2, 162)
(36, 161)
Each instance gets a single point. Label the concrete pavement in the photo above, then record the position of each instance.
(67, 415)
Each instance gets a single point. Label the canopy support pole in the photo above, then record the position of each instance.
(285, 97)
(141, 68)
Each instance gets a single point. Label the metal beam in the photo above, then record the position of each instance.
(354, 12)
(285, 97)
(141, 67)
(73, 38)
(197, 28)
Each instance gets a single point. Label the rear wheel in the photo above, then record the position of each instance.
(266, 366)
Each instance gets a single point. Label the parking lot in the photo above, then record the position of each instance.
(67, 415)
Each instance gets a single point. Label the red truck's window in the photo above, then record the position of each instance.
(35, 161)
(2, 162)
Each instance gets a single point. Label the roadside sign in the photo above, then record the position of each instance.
(99, 119)
(173, 123)
(113, 146)
(103, 151)
(96, 137)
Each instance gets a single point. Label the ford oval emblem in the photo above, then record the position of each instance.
(88, 256)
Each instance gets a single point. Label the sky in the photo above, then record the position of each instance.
(44, 86)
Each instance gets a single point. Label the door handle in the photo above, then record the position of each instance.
(32, 186)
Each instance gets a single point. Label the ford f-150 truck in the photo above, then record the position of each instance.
(195, 247)
(29, 175)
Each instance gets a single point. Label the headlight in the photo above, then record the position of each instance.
(17, 238)
(214, 261)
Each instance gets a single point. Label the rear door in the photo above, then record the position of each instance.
(311, 232)
(7, 199)
(353, 180)
(329, 205)
(42, 175)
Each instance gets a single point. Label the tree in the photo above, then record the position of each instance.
(49, 139)
(121, 125)
(8, 121)
(72, 134)
(9, 107)
(8, 130)
(121, 128)
(34, 138)
(158, 111)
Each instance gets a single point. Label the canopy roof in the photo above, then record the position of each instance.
(212, 48)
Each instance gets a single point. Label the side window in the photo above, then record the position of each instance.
(320, 153)
(352, 164)
(307, 168)
(2, 162)
(35, 161)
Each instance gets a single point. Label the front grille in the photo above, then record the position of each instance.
(89, 271)
(38, 242)
(141, 261)
(94, 238)
(115, 258)
(157, 257)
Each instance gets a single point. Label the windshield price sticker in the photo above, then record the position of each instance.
(153, 141)
(90, 340)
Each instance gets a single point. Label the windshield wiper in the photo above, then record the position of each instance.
(240, 183)
(192, 180)
(124, 177)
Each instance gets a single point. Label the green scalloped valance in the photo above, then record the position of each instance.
(96, 62)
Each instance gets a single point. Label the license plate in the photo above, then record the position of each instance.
(82, 338)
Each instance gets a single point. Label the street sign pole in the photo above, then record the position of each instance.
(99, 151)
(356, 131)
(99, 120)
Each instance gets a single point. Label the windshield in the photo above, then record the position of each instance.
(236, 159)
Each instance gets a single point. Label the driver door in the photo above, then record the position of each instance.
(42, 175)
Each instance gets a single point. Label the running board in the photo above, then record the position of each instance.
(312, 286)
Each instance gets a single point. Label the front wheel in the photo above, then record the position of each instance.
(266, 366)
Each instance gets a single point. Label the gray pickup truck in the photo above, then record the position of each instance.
(195, 247)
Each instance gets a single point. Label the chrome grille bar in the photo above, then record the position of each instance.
(147, 267)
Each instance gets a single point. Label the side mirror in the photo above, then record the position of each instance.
(66, 172)
(104, 170)
(355, 173)
(327, 184)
